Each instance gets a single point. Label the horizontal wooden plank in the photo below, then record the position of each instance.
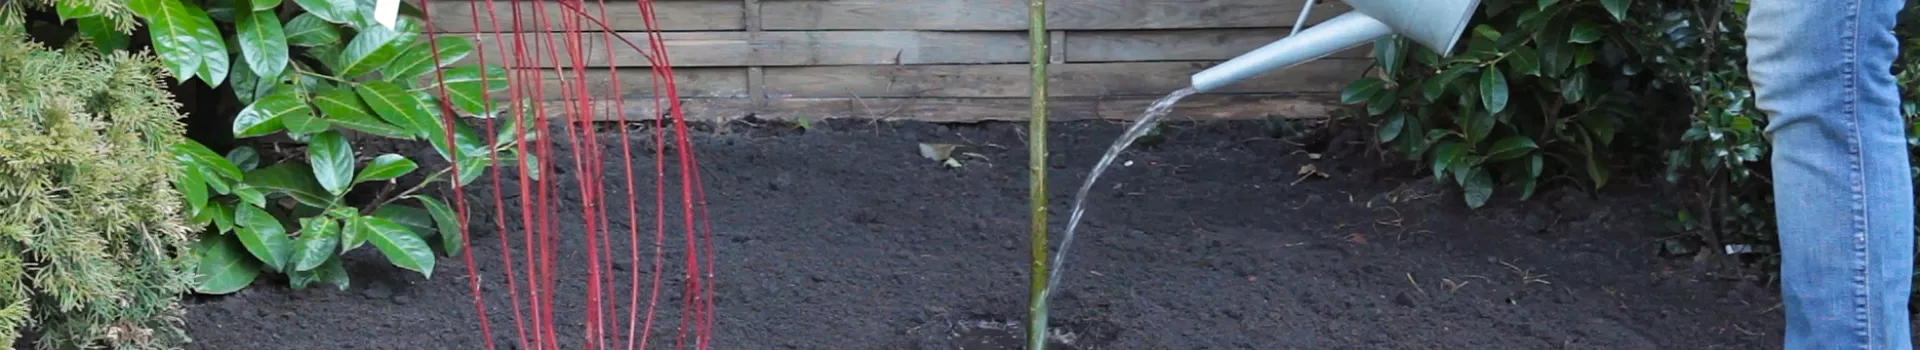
(733, 49)
(1066, 80)
(1199, 107)
(457, 16)
(702, 82)
(686, 49)
(1177, 45)
(1012, 14)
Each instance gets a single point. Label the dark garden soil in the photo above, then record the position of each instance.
(844, 237)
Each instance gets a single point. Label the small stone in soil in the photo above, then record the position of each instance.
(1405, 299)
(377, 291)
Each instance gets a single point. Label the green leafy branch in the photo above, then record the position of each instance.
(317, 71)
(1520, 97)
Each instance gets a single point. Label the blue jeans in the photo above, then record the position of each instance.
(1843, 187)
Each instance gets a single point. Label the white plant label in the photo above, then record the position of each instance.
(386, 12)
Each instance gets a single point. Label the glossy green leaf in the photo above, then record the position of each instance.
(224, 267)
(342, 106)
(1511, 147)
(414, 218)
(222, 213)
(264, 116)
(1744, 124)
(1479, 188)
(1493, 90)
(336, 11)
(252, 196)
(101, 31)
(304, 124)
(1524, 61)
(265, 5)
(264, 236)
(418, 61)
(1618, 8)
(319, 238)
(396, 106)
(469, 142)
(69, 10)
(244, 157)
(401, 246)
(1528, 186)
(333, 272)
(372, 48)
(1389, 51)
(1556, 55)
(1536, 164)
(1444, 157)
(1595, 171)
(263, 43)
(1382, 101)
(173, 36)
(1361, 90)
(448, 221)
(1584, 32)
(208, 43)
(145, 9)
(353, 233)
(308, 29)
(385, 167)
(1390, 130)
(472, 167)
(464, 87)
(1486, 32)
(194, 154)
(248, 86)
(1439, 83)
(1479, 125)
(1574, 88)
(292, 179)
(332, 158)
(509, 130)
(193, 187)
(222, 11)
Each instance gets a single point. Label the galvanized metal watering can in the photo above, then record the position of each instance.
(1436, 24)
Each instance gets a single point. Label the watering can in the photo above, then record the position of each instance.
(1436, 24)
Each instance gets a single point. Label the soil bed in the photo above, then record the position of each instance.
(844, 237)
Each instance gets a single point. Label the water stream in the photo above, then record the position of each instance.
(1140, 127)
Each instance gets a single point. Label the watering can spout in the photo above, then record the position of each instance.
(1436, 24)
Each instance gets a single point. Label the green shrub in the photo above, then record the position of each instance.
(1492, 113)
(1527, 100)
(317, 73)
(93, 245)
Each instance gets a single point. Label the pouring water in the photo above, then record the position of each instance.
(1140, 127)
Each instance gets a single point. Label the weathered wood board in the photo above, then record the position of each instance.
(825, 48)
(1176, 45)
(1201, 107)
(1011, 15)
(1118, 79)
(934, 60)
(456, 16)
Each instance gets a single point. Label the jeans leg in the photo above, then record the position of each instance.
(1842, 183)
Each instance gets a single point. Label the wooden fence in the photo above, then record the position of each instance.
(936, 60)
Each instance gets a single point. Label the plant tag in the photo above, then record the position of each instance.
(386, 12)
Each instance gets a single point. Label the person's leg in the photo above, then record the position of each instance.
(1843, 187)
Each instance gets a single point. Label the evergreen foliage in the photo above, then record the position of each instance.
(1575, 90)
(93, 243)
